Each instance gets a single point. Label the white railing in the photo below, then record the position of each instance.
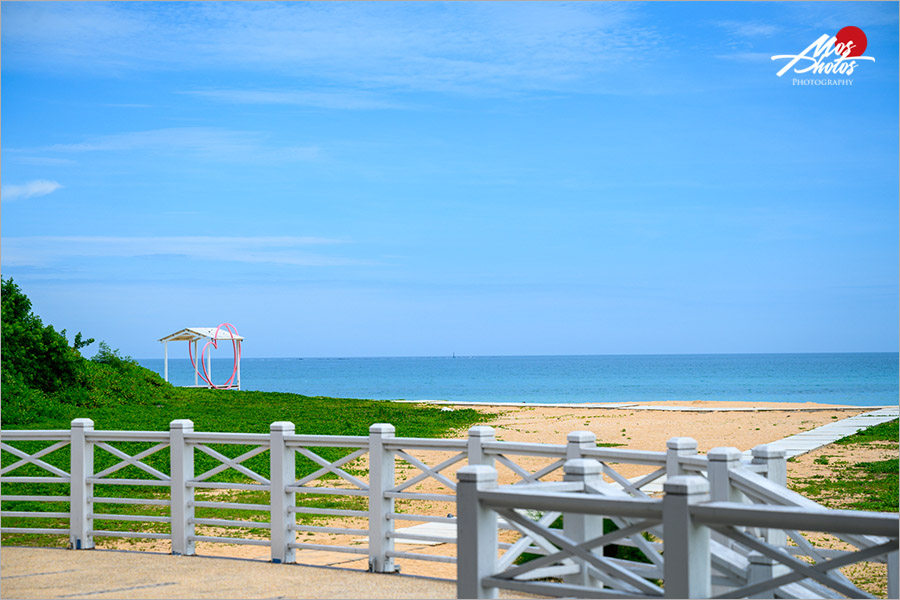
(412, 471)
(692, 545)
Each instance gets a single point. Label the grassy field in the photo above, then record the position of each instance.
(840, 481)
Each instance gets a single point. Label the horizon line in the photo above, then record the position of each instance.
(453, 355)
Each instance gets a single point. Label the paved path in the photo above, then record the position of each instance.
(58, 573)
(808, 441)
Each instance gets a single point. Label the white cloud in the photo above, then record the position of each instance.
(201, 142)
(749, 29)
(43, 251)
(764, 57)
(40, 161)
(347, 100)
(32, 189)
(481, 48)
(126, 105)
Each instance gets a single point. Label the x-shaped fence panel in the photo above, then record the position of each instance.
(823, 572)
(128, 459)
(332, 467)
(427, 471)
(632, 488)
(562, 550)
(34, 459)
(231, 463)
(527, 476)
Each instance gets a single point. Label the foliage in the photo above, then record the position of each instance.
(36, 355)
(884, 432)
(618, 551)
(862, 485)
(107, 356)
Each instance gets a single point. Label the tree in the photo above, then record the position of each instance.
(38, 357)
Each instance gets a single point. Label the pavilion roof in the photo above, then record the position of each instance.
(191, 334)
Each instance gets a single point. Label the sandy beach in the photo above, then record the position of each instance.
(743, 425)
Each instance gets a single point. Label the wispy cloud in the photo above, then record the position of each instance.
(480, 48)
(199, 142)
(44, 251)
(748, 29)
(40, 161)
(765, 57)
(347, 100)
(32, 189)
(120, 105)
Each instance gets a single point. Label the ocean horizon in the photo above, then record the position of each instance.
(860, 379)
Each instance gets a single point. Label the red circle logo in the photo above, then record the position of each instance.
(853, 38)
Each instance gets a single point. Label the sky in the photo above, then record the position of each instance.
(422, 179)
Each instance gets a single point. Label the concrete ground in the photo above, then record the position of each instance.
(57, 573)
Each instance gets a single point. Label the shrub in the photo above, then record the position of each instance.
(37, 356)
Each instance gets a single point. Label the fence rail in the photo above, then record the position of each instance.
(170, 476)
(691, 546)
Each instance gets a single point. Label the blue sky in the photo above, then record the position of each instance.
(394, 179)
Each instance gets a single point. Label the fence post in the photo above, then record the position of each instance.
(577, 441)
(581, 528)
(677, 447)
(81, 492)
(773, 457)
(476, 533)
(478, 435)
(721, 461)
(762, 568)
(282, 473)
(181, 469)
(381, 479)
(685, 543)
(893, 566)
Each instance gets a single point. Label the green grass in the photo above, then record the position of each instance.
(863, 485)
(611, 550)
(885, 432)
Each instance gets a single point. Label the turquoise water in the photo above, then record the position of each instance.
(863, 379)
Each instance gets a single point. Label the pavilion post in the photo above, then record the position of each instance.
(166, 361)
(196, 366)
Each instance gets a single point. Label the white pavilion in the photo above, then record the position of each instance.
(193, 335)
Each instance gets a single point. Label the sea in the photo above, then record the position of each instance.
(861, 379)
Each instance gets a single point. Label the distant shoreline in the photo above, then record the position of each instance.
(664, 405)
(470, 356)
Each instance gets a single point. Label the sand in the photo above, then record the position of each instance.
(743, 425)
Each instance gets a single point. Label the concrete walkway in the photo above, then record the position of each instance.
(58, 573)
(808, 441)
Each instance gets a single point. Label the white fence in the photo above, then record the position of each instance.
(740, 531)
